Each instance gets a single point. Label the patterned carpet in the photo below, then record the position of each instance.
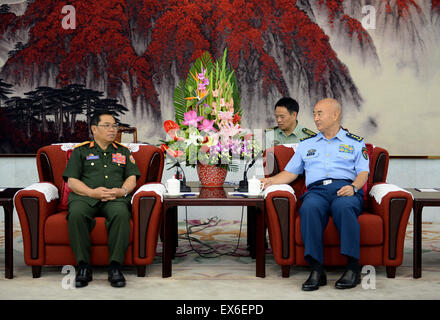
(222, 269)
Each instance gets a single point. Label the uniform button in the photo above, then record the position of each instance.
(106, 177)
(92, 164)
(326, 175)
(105, 154)
(105, 166)
(328, 154)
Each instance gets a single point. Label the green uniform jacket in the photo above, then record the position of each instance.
(275, 136)
(100, 168)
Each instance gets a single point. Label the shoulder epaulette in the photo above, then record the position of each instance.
(308, 132)
(354, 137)
(120, 144)
(311, 136)
(81, 144)
(268, 129)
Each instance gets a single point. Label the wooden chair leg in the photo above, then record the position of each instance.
(141, 271)
(285, 271)
(36, 271)
(391, 272)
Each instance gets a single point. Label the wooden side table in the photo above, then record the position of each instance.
(7, 202)
(212, 197)
(421, 199)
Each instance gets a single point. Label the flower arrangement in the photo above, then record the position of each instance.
(208, 116)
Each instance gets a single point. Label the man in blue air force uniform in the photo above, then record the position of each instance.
(336, 167)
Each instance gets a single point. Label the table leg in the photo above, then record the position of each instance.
(168, 241)
(251, 226)
(260, 237)
(9, 250)
(417, 240)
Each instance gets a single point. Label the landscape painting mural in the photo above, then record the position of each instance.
(61, 61)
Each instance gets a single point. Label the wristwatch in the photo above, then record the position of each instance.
(126, 192)
(354, 188)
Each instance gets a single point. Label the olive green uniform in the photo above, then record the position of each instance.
(99, 168)
(275, 136)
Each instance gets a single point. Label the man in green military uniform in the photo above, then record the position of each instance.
(289, 130)
(101, 174)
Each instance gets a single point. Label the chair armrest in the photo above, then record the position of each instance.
(34, 204)
(394, 205)
(147, 218)
(280, 217)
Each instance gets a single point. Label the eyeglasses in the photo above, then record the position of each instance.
(108, 126)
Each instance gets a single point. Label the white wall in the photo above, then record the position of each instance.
(21, 172)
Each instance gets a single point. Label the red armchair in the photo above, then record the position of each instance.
(44, 225)
(382, 225)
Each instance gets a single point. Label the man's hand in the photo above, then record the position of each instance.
(284, 177)
(346, 191)
(105, 194)
(267, 182)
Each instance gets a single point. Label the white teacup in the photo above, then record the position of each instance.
(255, 186)
(173, 186)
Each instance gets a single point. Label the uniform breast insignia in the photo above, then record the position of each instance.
(365, 153)
(92, 157)
(346, 148)
(118, 158)
(311, 152)
(308, 132)
(354, 137)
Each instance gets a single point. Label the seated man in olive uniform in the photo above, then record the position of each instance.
(101, 174)
(288, 130)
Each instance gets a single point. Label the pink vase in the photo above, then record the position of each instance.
(211, 175)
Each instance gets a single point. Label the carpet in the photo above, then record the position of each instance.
(223, 270)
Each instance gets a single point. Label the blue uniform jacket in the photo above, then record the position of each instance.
(342, 157)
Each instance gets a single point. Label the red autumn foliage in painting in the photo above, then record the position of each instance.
(104, 48)
(403, 6)
(132, 46)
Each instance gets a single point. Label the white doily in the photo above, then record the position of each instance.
(278, 187)
(157, 188)
(49, 190)
(291, 145)
(381, 190)
(134, 147)
(66, 146)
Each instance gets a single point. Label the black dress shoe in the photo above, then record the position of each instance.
(116, 278)
(316, 279)
(83, 277)
(349, 279)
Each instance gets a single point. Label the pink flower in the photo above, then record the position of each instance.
(225, 115)
(229, 130)
(191, 118)
(207, 125)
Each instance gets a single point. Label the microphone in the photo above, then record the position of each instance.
(243, 185)
(183, 186)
